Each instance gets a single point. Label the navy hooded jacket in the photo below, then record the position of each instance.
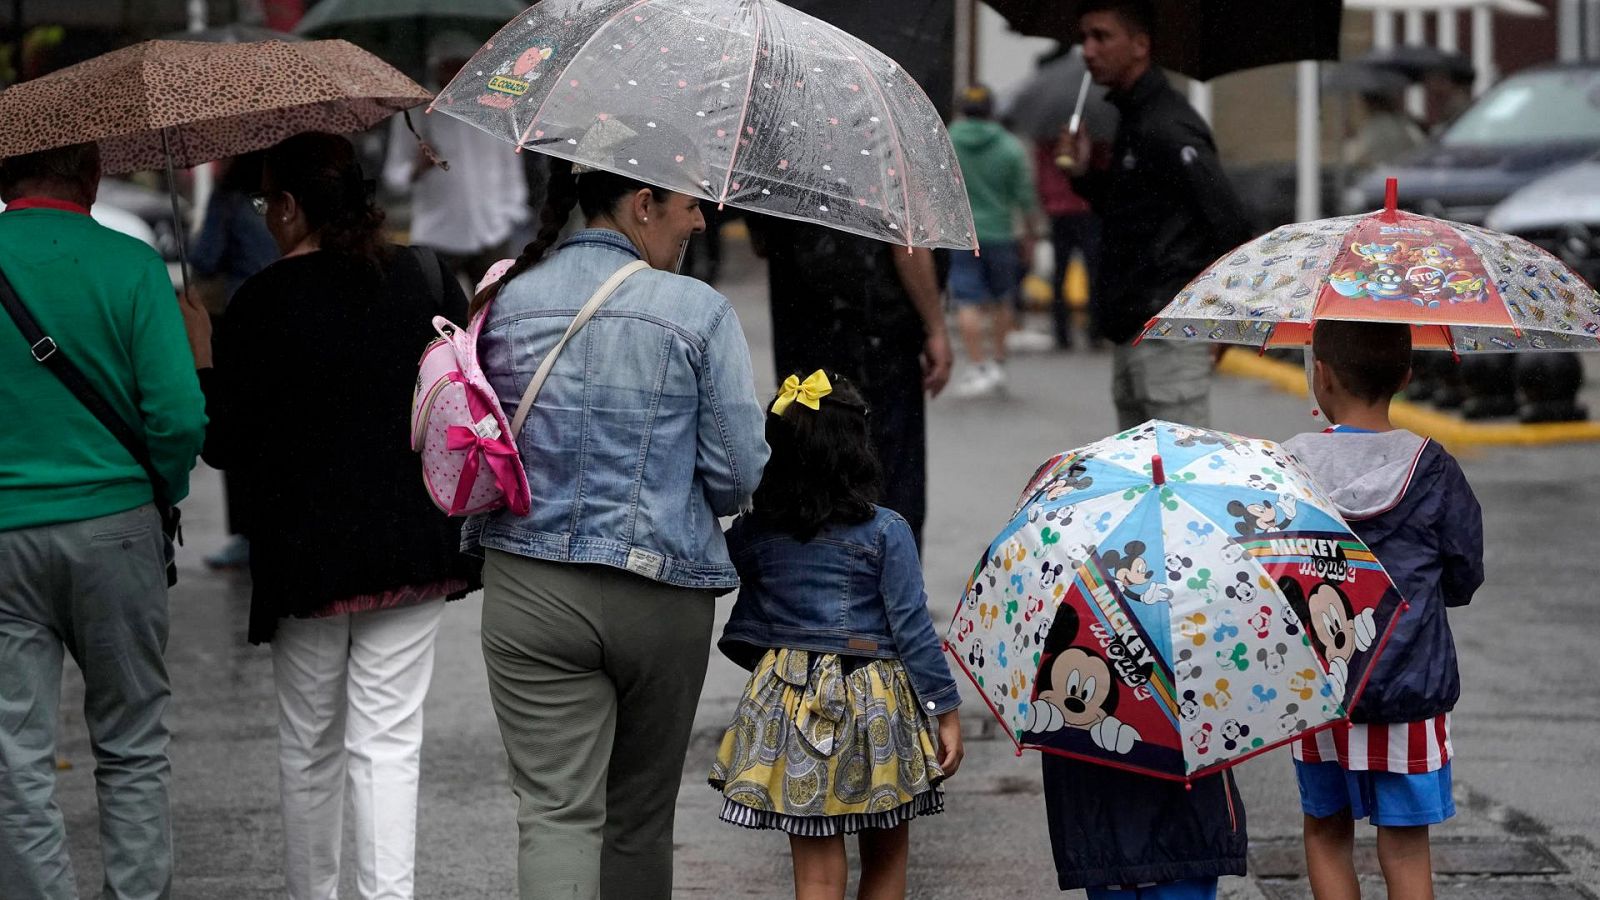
(1409, 501)
(1109, 827)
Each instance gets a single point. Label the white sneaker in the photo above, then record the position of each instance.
(1025, 341)
(977, 382)
(997, 378)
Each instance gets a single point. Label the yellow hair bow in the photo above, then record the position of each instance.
(808, 393)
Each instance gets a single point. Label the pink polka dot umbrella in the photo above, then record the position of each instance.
(747, 103)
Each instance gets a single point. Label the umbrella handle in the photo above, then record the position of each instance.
(177, 219)
(1311, 371)
(1066, 160)
(1077, 109)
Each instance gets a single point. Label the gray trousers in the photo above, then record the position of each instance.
(1169, 380)
(595, 674)
(96, 589)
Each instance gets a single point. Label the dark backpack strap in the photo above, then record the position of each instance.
(47, 353)
(432, 275)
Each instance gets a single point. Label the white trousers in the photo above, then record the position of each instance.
(350, 692)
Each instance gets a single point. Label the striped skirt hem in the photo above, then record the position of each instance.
(927, 803)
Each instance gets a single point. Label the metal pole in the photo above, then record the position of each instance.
(1570, 30)
(1308, 174)
(177, 219)
(1416, 100)
(1446, 35)
(203, 174)
(1483, 49)
(1591, 30)
(965, 40)
(1382, 30)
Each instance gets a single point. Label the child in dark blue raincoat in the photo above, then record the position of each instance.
(1407, 499)
(1126, 836)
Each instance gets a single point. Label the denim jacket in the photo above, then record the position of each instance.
(853, 589)
(647, 429)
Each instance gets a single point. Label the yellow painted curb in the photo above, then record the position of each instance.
(1452, 431)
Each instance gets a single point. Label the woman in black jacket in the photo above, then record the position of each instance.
(309, 399)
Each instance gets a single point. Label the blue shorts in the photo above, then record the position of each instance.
(1190, 889)
(990, 278)
(1387, 798)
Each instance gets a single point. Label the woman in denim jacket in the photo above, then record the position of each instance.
(598, 603)
(834, 732)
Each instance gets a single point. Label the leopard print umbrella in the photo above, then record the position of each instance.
(209, 100)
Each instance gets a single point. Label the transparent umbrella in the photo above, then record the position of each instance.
(745, 102)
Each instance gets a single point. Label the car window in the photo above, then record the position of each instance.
(1559, 105)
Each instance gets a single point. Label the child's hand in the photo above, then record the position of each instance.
(1338, 675)
(950, 749)
(1366, 629)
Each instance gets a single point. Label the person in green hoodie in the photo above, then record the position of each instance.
(999, 179)
(82, 553)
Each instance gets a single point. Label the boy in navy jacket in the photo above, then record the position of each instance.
(1408, 500)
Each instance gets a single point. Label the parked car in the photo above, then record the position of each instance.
(1561, 213)
(1533, 123)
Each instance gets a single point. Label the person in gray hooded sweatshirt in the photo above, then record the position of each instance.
(1409, 501)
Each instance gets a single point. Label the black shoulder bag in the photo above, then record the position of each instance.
(46, 353)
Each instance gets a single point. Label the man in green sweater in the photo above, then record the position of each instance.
(999, 179)
(82, 554)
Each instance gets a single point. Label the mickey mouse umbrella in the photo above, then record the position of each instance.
(748, 103)
(1172, 600)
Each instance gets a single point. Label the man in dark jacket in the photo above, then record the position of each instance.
(870, 311)
(1167, 212)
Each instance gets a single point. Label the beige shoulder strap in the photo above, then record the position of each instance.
(601, 294)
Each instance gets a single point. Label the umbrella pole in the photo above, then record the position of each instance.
(1077, 109)
(177, 219)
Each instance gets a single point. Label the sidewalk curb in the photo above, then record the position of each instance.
(1447, 429)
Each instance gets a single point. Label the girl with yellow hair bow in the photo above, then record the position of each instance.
(836, 732)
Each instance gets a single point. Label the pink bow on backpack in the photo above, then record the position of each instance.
(485, 441)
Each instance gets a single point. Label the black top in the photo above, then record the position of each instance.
(1165, 205)
(837, 300)
(310, 405)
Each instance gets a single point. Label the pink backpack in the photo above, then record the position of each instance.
(470, 463)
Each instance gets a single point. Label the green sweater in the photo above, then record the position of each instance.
(106, 300)
(998, 174)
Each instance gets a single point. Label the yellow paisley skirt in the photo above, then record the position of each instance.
(817, 748)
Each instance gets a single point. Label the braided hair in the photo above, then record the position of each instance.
(595, 192)
(323, 173)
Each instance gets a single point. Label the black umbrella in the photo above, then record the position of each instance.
(1046, 101)
(1362, 78)
(1206, 38)
(1417, 62)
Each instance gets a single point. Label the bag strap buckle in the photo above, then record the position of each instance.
(43, 349)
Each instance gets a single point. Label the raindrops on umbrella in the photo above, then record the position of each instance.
(733, 65)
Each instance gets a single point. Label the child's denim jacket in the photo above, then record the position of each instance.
(854, 590)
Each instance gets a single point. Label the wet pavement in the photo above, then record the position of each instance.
(1529, 800)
